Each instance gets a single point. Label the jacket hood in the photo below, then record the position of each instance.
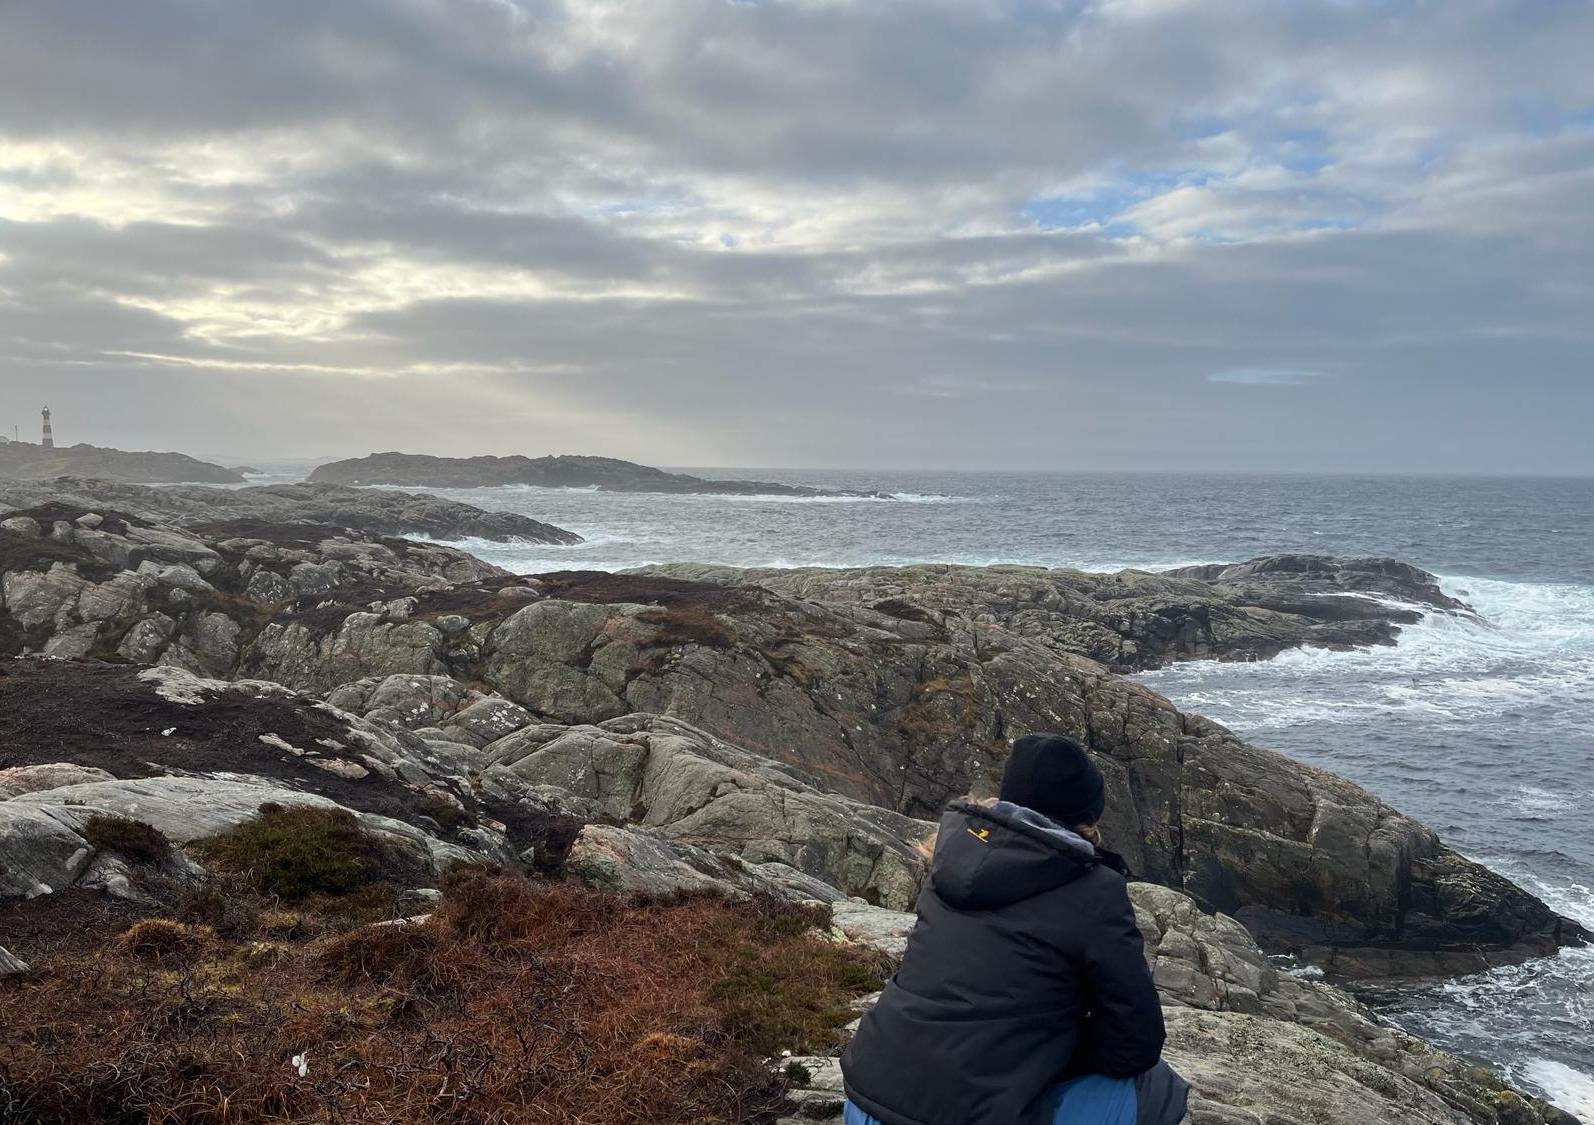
(990, 854)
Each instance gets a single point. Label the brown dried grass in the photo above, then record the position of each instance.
(513, 1002)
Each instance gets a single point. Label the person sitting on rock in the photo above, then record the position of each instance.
(1024, 997)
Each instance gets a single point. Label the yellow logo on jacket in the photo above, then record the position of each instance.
(983, 835)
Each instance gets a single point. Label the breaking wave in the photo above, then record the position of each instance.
(503, 495)
(1479, 727)
(1533, 645)
(1567, 1088)
(1531, 1021)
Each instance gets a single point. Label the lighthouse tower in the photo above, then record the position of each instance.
(49, 436)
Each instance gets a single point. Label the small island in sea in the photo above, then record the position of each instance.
(606, 474)
(21, 460)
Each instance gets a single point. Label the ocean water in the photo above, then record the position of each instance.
(1484, 730)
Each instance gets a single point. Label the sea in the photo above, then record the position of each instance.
(1483, 728)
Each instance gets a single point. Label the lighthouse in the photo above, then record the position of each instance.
(49, 436)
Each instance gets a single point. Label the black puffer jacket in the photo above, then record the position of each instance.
(1025, 967)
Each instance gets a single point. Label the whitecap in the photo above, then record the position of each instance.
(1570, 1089)
(1533, 801)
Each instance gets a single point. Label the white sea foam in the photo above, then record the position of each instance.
(1476, 725)
(1532, 800)
(1531, 643)
(1515, 1016)
(1575, 900)
(495, 495)
(1570, 1089)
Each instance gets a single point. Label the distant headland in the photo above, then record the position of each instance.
(20, 460)
(606, 474)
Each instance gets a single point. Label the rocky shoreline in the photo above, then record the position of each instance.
(372, 511)
(782, 734)
(642, 804)
(605, 474)
(1259, 1045)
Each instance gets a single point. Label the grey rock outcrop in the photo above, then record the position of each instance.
(11, 965)
(17, 780)
(644, 803)
(1135, 620)
(76, 583)
(372, 511)
(642, 862)
(194, 756)
(697, 790)
(45, 849)
(409, 701)
(1260, 1044)
(679, 808)
(896, 687)
(908, 707)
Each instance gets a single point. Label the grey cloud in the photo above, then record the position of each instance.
(649, 228)
(1264, 376)
(152, 257)
(51, 325)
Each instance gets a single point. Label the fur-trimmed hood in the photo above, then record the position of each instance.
(992, 853)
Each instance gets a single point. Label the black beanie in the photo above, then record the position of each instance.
(1052, 774)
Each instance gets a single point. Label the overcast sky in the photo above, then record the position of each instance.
(1320, 234)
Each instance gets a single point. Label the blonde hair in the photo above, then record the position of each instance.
(1091, 832)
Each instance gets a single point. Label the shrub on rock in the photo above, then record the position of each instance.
(295, 853)
(133, 840)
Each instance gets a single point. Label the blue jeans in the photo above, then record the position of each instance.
(1092, 1099)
